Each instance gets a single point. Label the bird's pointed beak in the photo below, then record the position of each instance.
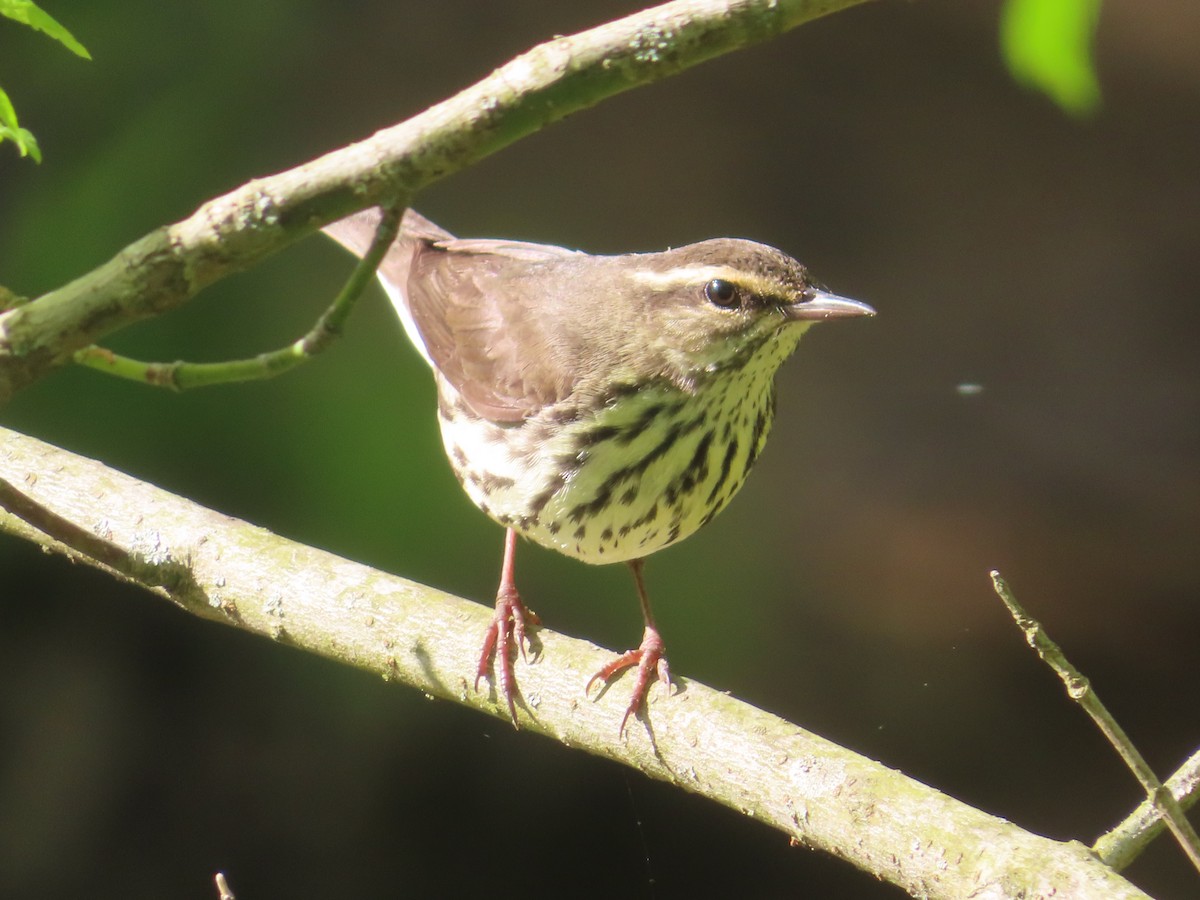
(817, 305)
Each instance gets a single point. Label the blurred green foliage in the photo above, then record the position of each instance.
(11, 130)
(29, 13)
(1048, 46)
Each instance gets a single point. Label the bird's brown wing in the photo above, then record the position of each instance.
(479, 308)
(484, 311)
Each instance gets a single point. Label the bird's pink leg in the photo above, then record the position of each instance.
(650, 656)
(507, 628)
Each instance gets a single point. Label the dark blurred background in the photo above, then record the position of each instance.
(1048, 260)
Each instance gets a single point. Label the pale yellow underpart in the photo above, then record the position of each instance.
(737, 398)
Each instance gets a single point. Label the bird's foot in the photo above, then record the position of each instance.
(650, 660)
(507, 629)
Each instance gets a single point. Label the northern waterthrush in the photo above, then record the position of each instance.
(603, 406)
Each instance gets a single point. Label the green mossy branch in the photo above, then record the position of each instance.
(231, 233)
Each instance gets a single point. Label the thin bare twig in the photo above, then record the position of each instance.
(1079, 689)
(182, 375)
(1124, 843)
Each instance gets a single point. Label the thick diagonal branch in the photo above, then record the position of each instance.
(699, 739)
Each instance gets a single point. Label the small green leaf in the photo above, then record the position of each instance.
(8, 115)
(9, 300)
(1047, 45)
(29, 13)
(27, 144)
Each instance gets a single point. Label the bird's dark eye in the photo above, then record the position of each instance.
(721, 293)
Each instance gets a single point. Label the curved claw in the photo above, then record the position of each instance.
(507, 628)
(651, 661)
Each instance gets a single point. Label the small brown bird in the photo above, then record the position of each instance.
(602, 406)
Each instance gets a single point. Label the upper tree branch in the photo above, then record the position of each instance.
(171, 264)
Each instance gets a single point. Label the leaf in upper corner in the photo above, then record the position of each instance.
(29, 13)
(27, 144)
(1047, 45)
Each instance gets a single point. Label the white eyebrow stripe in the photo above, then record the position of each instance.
(684, 275)
(695, 275)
